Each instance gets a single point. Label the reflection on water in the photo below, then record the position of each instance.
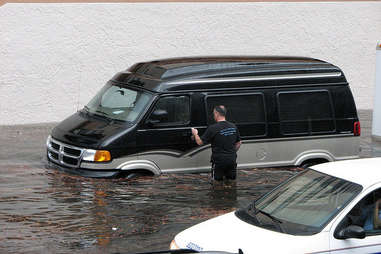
(48, 211)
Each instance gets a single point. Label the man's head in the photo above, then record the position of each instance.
(219, 113)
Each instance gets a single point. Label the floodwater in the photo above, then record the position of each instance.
(47, 211)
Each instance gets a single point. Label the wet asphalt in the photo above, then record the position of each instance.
(48, 211)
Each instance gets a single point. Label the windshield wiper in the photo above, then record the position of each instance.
(278, 221)
(108, 117)
(103, 113)
(255, 211)
(253, 208)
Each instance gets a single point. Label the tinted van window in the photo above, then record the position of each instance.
(247, 111)
(305, 112)
(177, 107)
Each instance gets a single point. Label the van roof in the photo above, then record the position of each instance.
(190, 73)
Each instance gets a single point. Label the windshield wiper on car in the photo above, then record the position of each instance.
(103, 113)
(278, 221)
(107, 116)
(252, 208)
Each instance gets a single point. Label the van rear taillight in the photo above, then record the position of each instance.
(357, 128)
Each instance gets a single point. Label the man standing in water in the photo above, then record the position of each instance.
(225, 140)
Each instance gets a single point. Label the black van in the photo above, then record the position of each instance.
(289, 111)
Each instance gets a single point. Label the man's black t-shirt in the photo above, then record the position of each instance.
(223, 136)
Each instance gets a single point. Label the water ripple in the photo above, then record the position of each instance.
(48, 211)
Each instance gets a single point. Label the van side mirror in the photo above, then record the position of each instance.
(351, 231)
(157, 116)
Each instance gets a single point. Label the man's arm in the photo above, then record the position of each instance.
(238, 145)
(376, 218)
(238, 141)
(197, 137)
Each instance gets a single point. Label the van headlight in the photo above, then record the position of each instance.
(48, 140)
(173, 245)
(96, 155)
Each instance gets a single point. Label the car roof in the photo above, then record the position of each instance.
(191, 73)
(365, 172)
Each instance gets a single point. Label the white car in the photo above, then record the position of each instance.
(328, 208)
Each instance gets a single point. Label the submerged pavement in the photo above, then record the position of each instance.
(48, 211)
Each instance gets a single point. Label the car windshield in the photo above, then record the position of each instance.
(306, 203)
(118, 103)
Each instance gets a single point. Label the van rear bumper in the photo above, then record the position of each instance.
(85, 172)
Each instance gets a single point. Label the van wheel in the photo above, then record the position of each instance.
(133, 175)
(310, 163)
(136, 174)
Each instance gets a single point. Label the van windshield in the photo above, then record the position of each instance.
(304, 204)
(118, 103)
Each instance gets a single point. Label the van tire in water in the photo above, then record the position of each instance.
(137, 173)
(309, 163)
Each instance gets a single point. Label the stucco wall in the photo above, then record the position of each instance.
(54, 57)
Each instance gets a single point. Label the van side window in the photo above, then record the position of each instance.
(247, 111)
(175, 110)
(305, 112)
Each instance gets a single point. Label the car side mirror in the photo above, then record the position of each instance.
(157, 116)
(351, 231)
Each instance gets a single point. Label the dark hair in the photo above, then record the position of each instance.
(221, 110)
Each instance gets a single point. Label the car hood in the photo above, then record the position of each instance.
(229, 233)
(85, 130)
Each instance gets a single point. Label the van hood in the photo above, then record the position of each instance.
(229, 233)
(88, 131)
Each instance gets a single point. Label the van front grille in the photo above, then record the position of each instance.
(63, 154)
(68, 160)
(71, 151)
(53, 155)
(55, 146)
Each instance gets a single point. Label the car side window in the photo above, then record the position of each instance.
(171, 110)
(366, 214)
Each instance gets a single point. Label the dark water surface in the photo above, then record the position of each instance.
(48, 211)
(45, 211)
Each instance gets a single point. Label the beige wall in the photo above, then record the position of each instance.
(54, 57)
(154, 1)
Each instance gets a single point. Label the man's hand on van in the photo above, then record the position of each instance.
(194, 132)
(196, 137)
